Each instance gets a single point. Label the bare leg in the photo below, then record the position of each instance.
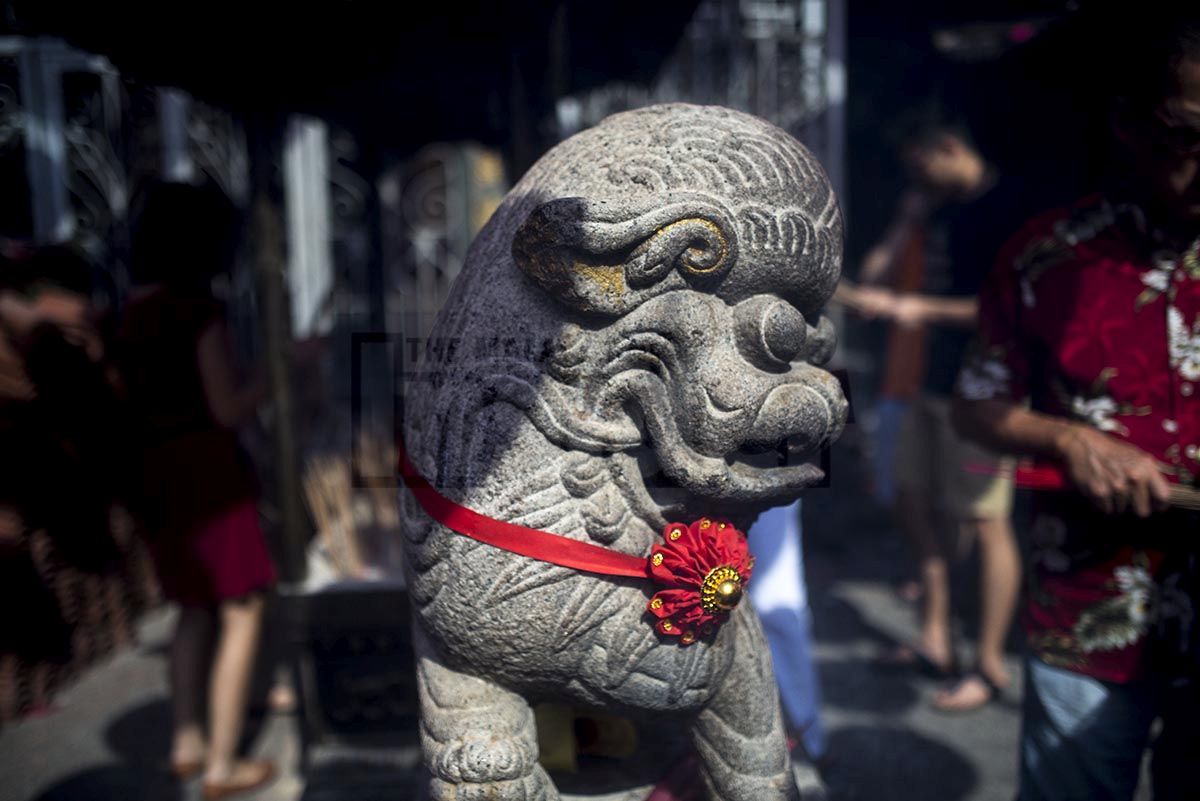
(1000, 580)
(479, 739)
(739, 736)
(237, 646)
(191, 655)
(920, 526)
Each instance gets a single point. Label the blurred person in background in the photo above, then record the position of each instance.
(59, 473)
(949, 492)
(34, 636)
(780, 596)
(58, 361)
(896, 262)
(199, 493)
(1088, 356)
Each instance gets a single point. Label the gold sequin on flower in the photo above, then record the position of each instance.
(705, 523)
(656, 559)
(688, 637)
(675, 534)
(667, 625)
(721, 526)
(656, 603)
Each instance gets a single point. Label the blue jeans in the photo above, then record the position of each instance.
(890, 412)
(1083, 739)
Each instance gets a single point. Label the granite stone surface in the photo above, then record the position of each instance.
(636, 339)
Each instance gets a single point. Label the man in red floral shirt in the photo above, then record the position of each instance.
(1089, 356)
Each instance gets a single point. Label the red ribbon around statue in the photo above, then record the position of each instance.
(703, 567)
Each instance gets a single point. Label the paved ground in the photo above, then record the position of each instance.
(106, 740)
(885, 739)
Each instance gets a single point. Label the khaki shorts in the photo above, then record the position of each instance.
(964, 480)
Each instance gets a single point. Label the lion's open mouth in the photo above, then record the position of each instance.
(753, 473)
(791, 451)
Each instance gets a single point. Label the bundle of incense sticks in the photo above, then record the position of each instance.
(359, 526)
(330, 496)
(1051, 478)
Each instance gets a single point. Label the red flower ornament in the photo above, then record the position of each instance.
(705, 568)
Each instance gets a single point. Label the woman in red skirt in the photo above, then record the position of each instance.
(199, 491)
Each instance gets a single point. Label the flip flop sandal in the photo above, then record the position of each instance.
(919, 660)
(214, 791)
(993, 693)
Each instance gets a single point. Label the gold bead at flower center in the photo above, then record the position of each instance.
(721, 590)
(728, 594)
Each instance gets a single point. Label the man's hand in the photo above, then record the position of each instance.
(909, 311)
(1115, 475)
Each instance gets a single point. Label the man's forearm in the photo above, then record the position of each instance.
(1116, 475)
(957, 312)
(1011, 428)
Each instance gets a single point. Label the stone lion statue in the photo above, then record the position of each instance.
(636, 338)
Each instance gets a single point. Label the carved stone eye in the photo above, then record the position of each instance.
(771, 333)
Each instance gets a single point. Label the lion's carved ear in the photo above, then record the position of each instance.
(600, 257)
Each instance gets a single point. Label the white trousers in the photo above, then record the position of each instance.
(778, 592)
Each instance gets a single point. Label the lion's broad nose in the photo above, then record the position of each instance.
(783, 332)
(772, 334)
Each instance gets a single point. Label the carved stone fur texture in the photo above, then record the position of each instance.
(636, 338)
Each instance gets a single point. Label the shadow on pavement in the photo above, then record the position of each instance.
(883, 762)
(359, 783)
(140, 739)
(142, 736)
(858, 686)
(838, 620)
(119, 782)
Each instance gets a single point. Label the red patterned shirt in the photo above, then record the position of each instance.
(1086, 318)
